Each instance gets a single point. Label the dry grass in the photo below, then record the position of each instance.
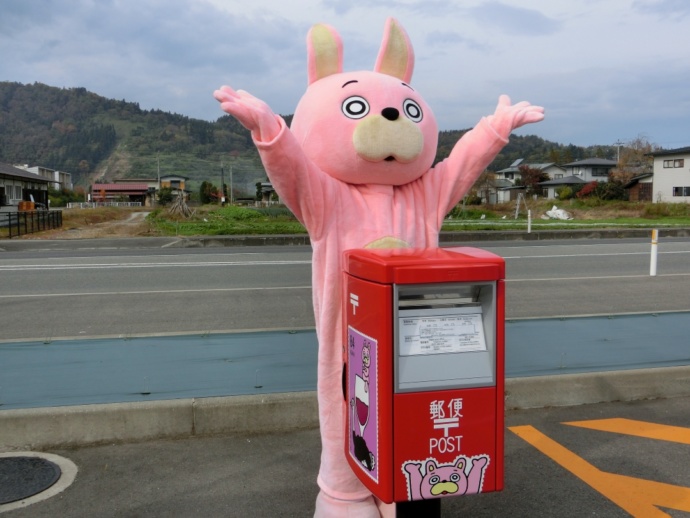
(99, 222)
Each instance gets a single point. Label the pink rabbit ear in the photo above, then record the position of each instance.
(324, 52)
(396, 56)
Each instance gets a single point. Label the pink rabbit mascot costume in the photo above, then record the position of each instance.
(355, 169)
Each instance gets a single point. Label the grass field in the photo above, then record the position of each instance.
(235, 220)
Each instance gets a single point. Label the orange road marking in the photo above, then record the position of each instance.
(661, 432)
(637, 496)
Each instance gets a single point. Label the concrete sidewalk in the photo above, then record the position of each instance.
(244, 474)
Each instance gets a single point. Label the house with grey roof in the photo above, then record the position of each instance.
(512, 173)
(552, 187)
(591, 169)
(507, 181)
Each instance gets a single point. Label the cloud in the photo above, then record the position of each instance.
(18, 15)
(663, 8)
(515, 20)
(426, 7)
(165, 53)
(444, 38)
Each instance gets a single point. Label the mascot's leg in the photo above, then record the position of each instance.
(328, 507)
(342, 494)
(385, 510)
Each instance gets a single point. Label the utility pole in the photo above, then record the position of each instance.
(158, 184)
(618, 154)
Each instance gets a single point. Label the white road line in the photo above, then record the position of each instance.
(150, 292)
(277, 288)
(35, 267)
(560, 256)
(601, 278)
(124, 265)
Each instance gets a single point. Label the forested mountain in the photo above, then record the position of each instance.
(73, 130)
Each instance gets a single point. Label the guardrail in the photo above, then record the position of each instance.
(28, 222)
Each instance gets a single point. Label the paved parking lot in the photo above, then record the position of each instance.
(568, 461)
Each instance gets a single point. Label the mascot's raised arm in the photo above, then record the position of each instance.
(356, 169)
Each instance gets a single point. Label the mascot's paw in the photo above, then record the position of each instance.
(328, 507)
(508, 117)
(254, 114)
(387, 243)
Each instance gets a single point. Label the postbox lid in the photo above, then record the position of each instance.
(421, 266)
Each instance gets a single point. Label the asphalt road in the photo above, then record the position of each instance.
(52, 294)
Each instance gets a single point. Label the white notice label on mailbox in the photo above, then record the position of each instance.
(420, 335)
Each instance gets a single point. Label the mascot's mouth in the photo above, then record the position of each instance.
(390, 158)
(444, 488)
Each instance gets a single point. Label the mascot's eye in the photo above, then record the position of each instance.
(412, 110)
(454, 477)
(355, 107)
(435, 479)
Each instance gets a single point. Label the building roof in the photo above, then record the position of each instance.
(501, 183)
(592, 162)
(636, 179)
(133, 180)
(665, 152)
(174, 176)
(119, 187)
(8, 170)
(516, 169)
(568, 180)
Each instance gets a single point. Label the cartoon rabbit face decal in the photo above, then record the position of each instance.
(365, 127)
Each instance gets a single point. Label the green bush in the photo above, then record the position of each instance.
(61, 197)
(165, 196)
(277, 212)
(232, 212)
(565, 193)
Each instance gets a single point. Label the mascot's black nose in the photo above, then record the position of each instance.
(390, 113)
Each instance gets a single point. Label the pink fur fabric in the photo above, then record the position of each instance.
(355, 169)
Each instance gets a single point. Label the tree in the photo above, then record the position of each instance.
(485, 184)
(208, 193)
(165, 196)
(530, 177)
(634, 159)
(588, 190)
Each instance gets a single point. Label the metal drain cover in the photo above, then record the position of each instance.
(22, 477)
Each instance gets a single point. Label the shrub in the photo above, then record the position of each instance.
(588, 190)
(165, 196)
(564, 193)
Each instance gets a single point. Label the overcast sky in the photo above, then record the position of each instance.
(605, 70)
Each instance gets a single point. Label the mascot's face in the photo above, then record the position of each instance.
(365, 127)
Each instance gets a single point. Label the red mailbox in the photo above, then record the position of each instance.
(425, 371)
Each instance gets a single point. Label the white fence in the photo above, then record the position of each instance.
(94, 204)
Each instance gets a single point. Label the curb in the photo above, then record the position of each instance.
(85, 425)
(444, 237)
